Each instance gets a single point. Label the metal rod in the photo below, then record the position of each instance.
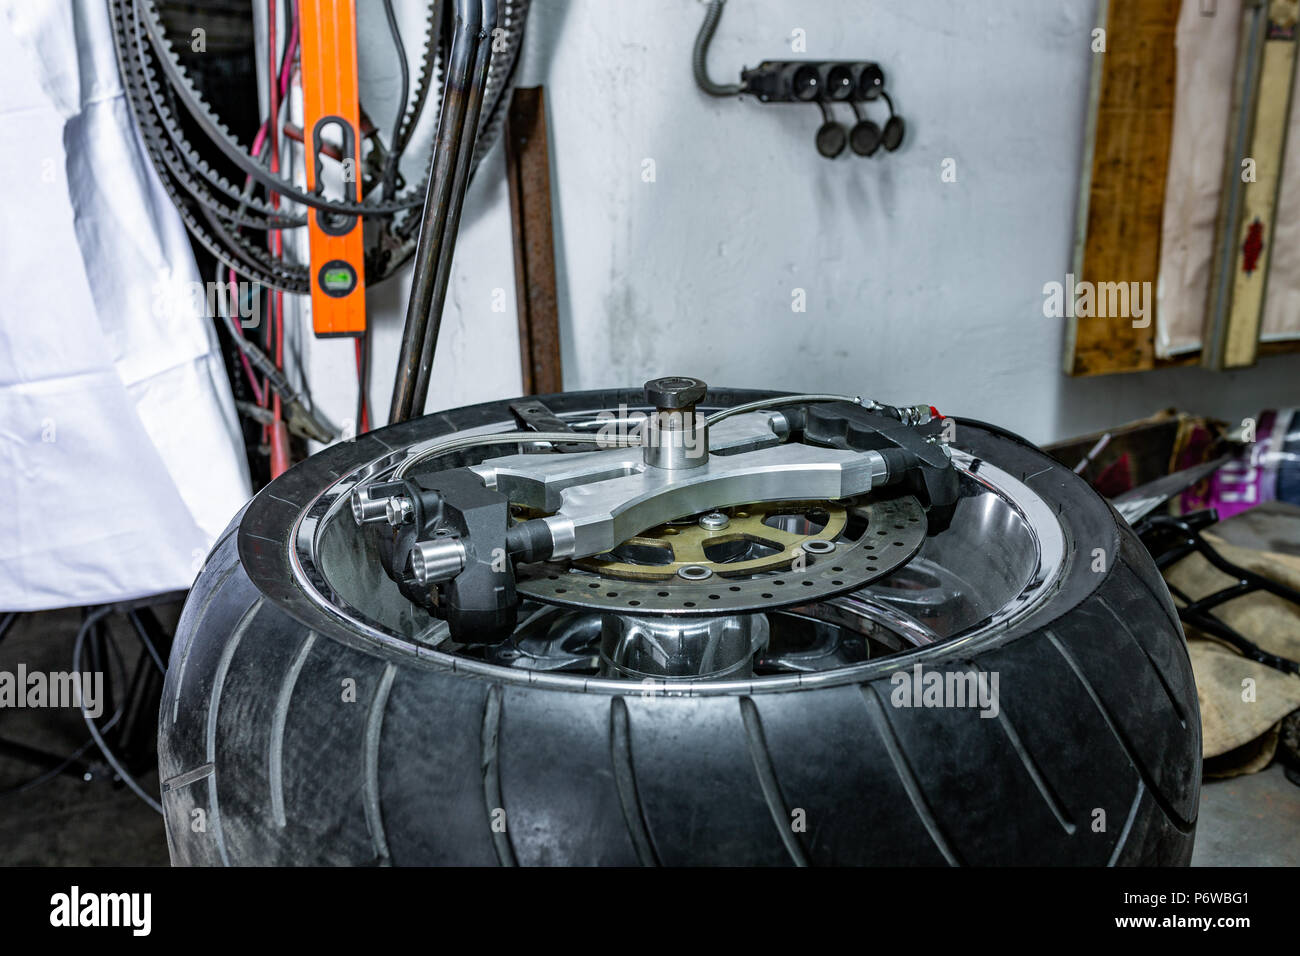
(432, 245)
(460, 182)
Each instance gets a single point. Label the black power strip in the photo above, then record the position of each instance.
(824, 82)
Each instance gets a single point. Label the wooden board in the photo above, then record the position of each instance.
(1121, 210)
(1246, 225)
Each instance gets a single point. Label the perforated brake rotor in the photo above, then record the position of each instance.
(893, 533)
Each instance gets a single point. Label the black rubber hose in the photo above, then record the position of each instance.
(699, 59)
(91, 619)
(394, 145)
(424, 81)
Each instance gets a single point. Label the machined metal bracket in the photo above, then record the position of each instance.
(599, 499)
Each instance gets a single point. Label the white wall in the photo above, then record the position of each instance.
(917, 290)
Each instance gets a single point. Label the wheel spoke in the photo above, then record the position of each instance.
(689, 550)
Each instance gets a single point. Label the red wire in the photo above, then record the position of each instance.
(274, 332)
(274, 239)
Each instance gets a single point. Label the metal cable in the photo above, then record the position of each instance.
(609, 441)
(512, 438)
(782, 400)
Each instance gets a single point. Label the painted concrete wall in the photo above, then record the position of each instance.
(916, 289)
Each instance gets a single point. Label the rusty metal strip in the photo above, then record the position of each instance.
(528, 168)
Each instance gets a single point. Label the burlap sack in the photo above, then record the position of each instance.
(1242, 701)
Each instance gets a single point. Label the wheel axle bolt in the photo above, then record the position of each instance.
(674, 436)
(675, 392)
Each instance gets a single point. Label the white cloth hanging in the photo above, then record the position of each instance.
(120, 453)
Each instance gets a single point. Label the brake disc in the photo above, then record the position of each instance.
(891, 533)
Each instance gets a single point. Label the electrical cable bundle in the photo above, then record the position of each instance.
(217, 212)
(243, 226)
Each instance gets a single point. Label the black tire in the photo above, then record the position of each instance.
(1094, 758)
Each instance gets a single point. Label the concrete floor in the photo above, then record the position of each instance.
(1250, 820)
(1254, 820)
(68, 821)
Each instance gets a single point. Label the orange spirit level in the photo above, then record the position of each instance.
(329, 96)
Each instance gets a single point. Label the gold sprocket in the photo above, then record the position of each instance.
(659, 553)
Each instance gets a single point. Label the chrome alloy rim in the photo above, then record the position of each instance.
(1001, 559)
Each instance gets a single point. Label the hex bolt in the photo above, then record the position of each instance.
(399, 511)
